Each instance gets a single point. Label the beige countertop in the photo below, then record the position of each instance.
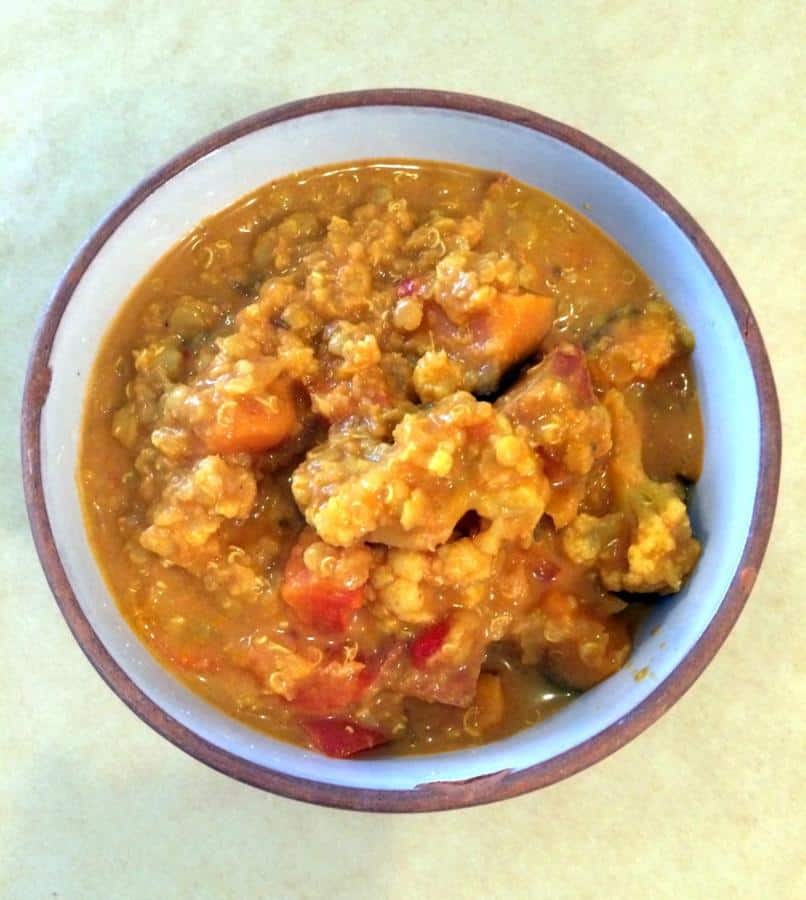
(708, 97)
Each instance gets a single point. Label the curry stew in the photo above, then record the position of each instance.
(388, 455)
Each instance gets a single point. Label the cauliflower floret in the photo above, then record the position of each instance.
(356, 345)
(660, 549)
(190, 512)
(436, 376)
(455, 456)
(586, 538)
(663, 551)
(418, 586)
(401, 598)
(195, 503)
(647, 546)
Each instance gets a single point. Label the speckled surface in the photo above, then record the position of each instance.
(709, 802)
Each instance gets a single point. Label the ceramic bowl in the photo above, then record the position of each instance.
(732, 504)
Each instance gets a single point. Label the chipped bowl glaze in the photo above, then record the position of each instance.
(732, 504)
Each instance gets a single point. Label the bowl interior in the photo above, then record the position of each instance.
(722, 500)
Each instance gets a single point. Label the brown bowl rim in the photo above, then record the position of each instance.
(436, 795)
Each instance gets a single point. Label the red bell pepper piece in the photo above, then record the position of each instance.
(341, 738)
(428, 642)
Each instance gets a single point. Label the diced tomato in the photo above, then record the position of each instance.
(320, 606)
(328, 690)
(316, 601)
(342, 738)
(428, 642)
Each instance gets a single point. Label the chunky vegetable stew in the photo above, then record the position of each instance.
(389, 456)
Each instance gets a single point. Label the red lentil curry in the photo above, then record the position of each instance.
(384, 456)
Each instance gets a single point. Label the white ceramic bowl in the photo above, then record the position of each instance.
(732, 504)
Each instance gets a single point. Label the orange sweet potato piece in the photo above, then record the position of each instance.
(515, 325)
(252, 425)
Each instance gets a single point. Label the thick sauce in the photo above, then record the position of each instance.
(329, 492)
